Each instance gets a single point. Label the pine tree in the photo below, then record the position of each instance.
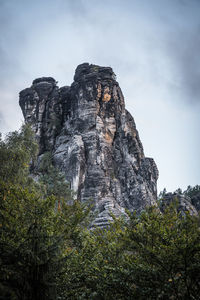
(35, 237)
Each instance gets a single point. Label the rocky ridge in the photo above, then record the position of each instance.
(93, 140)
(183, 203)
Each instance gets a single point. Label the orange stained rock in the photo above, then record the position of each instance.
(106, 97)
(108, 137)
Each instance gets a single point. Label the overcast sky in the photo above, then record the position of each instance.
(153, 47)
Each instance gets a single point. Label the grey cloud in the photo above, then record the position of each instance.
(184, 49)
(9, 66)
(9, 43)
(2, 119)
(76, 6)
(139, 39)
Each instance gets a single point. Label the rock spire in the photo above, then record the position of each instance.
(93, 139)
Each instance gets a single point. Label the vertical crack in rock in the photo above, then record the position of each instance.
(93, 139)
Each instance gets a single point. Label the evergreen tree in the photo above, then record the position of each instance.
(154, 256)
(35, 237)
(53, 181)
(47, 252)
(17, 153)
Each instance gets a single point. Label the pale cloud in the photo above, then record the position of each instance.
(153, 47)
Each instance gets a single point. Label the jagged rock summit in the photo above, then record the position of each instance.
(93, 139)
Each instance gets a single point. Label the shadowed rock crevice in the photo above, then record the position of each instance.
(93, 139)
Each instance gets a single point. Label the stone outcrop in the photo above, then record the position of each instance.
(195, 200)
(182, 202)
(93, 139)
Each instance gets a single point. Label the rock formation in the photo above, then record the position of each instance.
(93, 139)
(182, 202)
(195, 200)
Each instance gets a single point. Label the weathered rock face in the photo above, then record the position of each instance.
(196, 201)
(183, 202)
(93, 139)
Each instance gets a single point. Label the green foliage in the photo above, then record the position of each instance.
(17, 152)
(179, 191)
(53, 180)
(34, 241)
(154, 256)
(192, 191)
(162, 194)
(46, 165)
(47, 252)
(95, 270)
(166, 253)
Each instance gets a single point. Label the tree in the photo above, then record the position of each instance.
(192, 191)
(164, 255)
(48, 253)
(35, 240)
(35, 237)
(53, 181)
(162, 193)
(17, 152)
(153, 256)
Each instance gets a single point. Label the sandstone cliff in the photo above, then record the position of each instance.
(182, 202)
(93, 139)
